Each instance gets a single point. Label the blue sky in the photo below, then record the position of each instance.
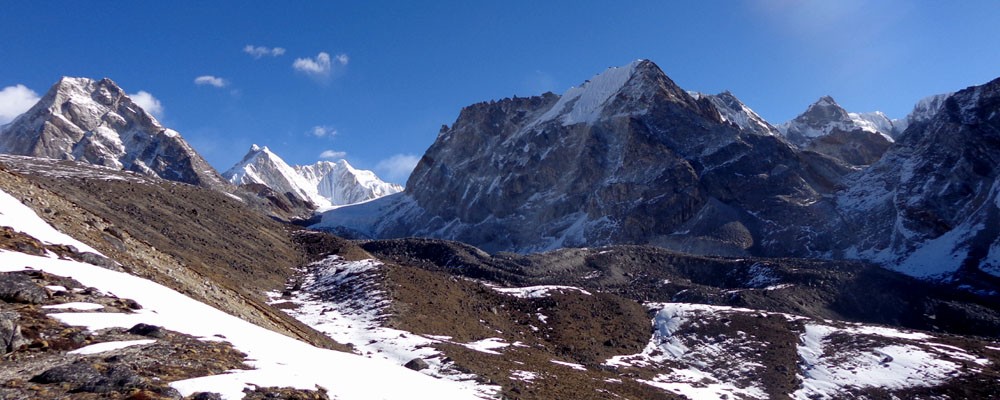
(394, 72)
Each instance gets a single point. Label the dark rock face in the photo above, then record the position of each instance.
(931, 206)
(630, 158)
(817, 120)
(10, 333)
(857, 147)
(88, 379)
(79, 373)
(19, 288)
(96, 122)
(627, 158)
(148, 330)
(827, 128)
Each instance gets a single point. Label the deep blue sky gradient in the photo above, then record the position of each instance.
(414, 65)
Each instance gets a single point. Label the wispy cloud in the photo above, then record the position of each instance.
(14, 101)
(397, 168)
(148, 102)
(211, 81)
(321, 66)
(322, 131)
(331, 154)
(261, 51)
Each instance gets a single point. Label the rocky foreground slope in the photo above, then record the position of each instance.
(623, 321)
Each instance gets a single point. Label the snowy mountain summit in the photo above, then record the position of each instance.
(626, 157)
(96, 122)
(324, 184)
(827, 128)
(732, 110)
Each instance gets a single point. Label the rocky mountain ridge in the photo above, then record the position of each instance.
(591, 167)
(96, 122)
(629, 157)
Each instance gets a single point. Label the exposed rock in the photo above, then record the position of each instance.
(96, 122)
(78, 374)
(826, 128)
(417, 364)
(628, 157)
(19, 288)
(10, 333)
(857, 147)
(931, 206)
(148, 330)
(206, 396)
(115, 379)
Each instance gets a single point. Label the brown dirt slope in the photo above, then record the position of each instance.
(196, 241)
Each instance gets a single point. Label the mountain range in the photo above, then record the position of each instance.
(631, 158)
(324, 184)
(96, 122)
(625, 239)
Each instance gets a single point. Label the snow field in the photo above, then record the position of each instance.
(277, 360)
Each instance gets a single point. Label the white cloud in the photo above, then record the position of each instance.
(397, 168)
(321, 131)
(321, 66)
(14, 101)
(261, 51)
(331, 154)
(210, 80)
(149, 103)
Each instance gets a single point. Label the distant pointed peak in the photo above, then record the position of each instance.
(75, 81)
(826, 101)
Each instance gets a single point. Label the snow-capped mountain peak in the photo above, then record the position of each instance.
(582, 104)
(97, 122)
(262, 166)
(819, 119)
(923, 111)
(342, 184)
(874, 122)
(732, 110)
(325, 184)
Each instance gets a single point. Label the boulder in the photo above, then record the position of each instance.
(10, 332)
(417, 364)
(18, 288)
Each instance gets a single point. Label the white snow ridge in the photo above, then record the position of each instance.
(325, 184)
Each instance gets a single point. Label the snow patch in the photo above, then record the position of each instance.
(536, 292)
(74, 306)
(23, 219)
(278, 360)
(575, 366)
(584, 104)
(109, 346)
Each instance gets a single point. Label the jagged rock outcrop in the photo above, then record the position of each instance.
(628, 157)
(826, 128)
(923, 111)
(931, 206)
(732, 110)
(96, 122)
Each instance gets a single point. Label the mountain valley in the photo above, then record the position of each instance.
(626, 239)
